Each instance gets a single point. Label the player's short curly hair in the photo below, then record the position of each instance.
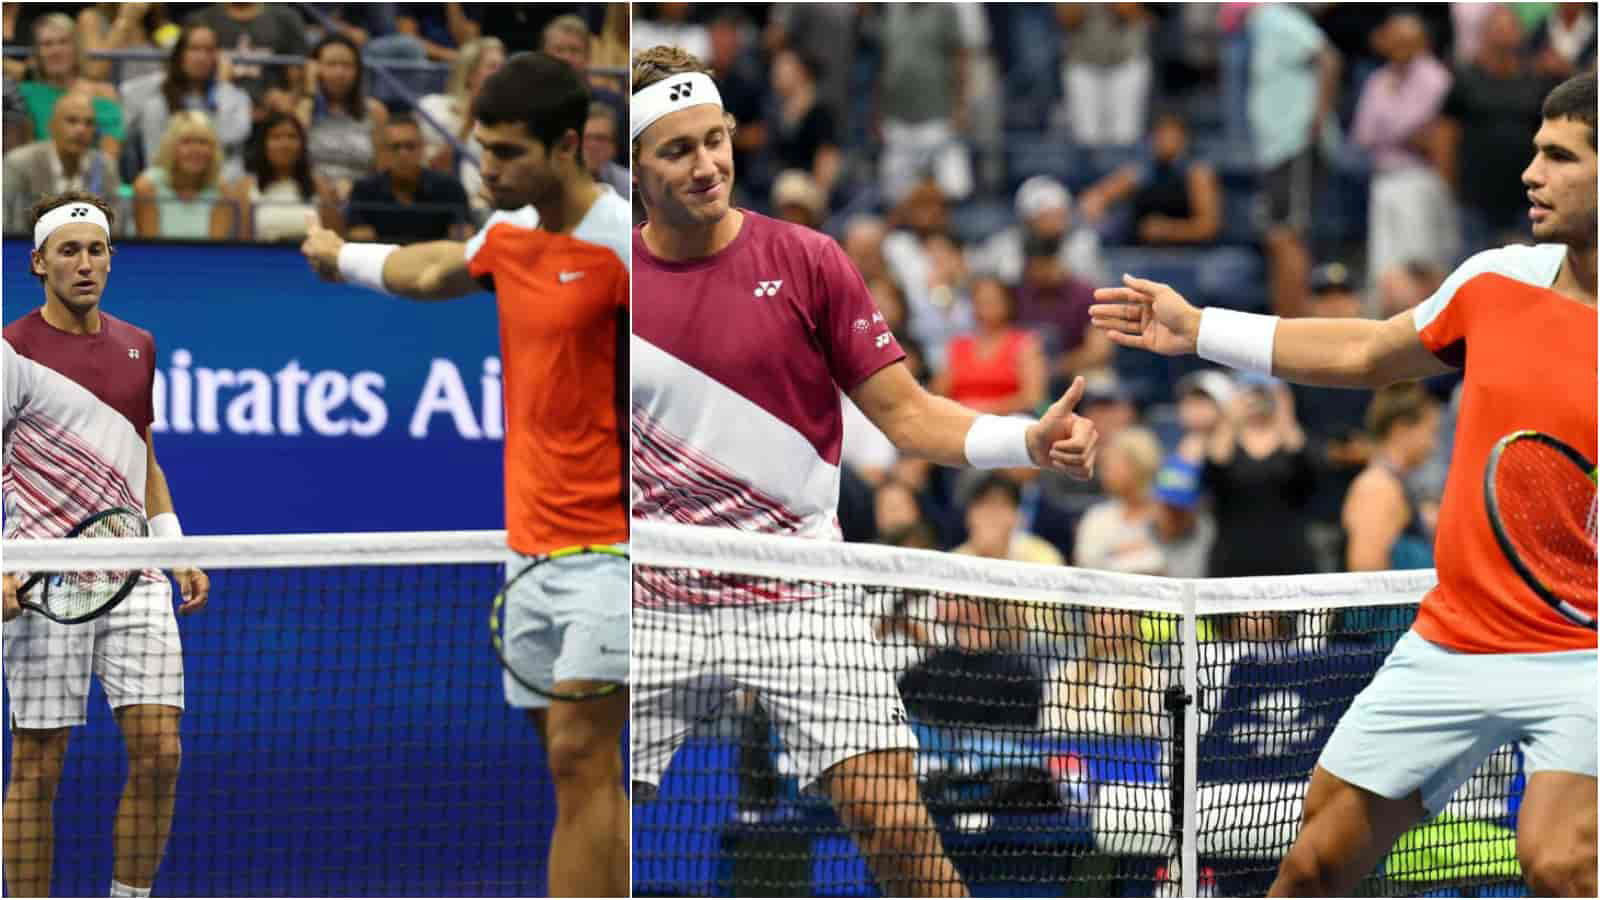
(653, 64)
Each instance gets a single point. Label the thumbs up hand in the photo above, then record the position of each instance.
(321, 248)
(1062, 440)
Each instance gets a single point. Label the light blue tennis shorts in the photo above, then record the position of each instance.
(566, 620)
(1432, 715)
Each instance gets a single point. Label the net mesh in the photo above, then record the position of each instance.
(343, 732)
(1046, 716)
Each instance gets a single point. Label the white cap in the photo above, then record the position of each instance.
(1040, 194)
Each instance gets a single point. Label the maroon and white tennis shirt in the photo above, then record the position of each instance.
(76, 410)
(738, 363)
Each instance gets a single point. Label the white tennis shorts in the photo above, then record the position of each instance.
(134, 649)
(1431, 716)
(814, 664)
(566, 620)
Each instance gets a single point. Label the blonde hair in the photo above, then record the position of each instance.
(60, 20)
(570, 23)
(1141, 447)
(180, 125)
(467, 61)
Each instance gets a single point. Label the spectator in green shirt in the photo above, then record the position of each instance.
(55, 68)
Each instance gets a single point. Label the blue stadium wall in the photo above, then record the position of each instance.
(286, 404)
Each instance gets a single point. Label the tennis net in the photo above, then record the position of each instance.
(1076, 733)
(343, 732)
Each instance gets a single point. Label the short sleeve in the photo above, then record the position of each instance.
(855, 339)
(1445, 318)
(480, 248)
(19, 387)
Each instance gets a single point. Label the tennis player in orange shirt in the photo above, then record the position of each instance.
(1487, 661)
(556, 255)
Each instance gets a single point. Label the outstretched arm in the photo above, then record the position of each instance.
(940, 430)
(436, 270)
(1352, 353)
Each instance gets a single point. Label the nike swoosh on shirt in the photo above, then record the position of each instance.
(570, 276)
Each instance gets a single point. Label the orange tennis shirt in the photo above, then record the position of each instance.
(1528, 355)
(563, 302)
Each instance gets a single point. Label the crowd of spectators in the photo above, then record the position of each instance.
(233, 121)
(987, 165)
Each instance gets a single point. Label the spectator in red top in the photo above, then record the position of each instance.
(997, 368)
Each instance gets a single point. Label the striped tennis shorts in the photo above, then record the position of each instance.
(1432, 715)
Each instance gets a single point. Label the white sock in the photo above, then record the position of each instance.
(118, 889)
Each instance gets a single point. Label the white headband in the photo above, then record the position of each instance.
(669, 96)
(69, 214)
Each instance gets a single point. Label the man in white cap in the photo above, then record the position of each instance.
(1044, 210)
(78, 411)
(746, 332)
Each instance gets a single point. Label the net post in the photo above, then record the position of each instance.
(1189, 744)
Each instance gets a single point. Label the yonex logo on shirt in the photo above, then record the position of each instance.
(881, 341)
(767, 288)
(684, 90)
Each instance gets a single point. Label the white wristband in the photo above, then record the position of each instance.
(998, 442)
(1239, 340)
(363, 264)
(166, 526)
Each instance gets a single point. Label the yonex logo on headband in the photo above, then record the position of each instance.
(668, 96)
(68, 214)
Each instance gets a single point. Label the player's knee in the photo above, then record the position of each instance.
(581, 759)
(1306, 872)
(1561, 871)
(156, 759)
(36, 765)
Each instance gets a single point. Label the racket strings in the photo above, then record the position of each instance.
(1548, 509)
(79, 593)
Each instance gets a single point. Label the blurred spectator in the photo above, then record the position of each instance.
(993, 527)
(342, 122)
(278, 189)
(1106, 71)
(54, 68)
(1410, 214)
(406, 203)
(1492, 107)
(669, 23)
(797, 198)
(600, 148)
(978, 677)
(863, 243)
(374, 29)
(1294, 83)
(896, 510)
(253, 29)
(180, 195)
(1176, 199)
(997, 368)
(478, 59)
(1044, 211)
(610, 50)
(802, 131)
(1184, 531)
(1055, 304)
(442, 28)
(921, 101)
(1118, 534)
(1203, 399)
(825, 32)
(929, 269)
(1111, 688)
(567, 38)
(1382, 515)
(1563, 44)
(1108, 404)
(742, 81)
(1468, 23)
(120, 26)
(66, 161)
(1259, 473)
(194, 78)
(18, 124)
(1405, 284)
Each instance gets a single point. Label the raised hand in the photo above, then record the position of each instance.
(1062, 440)
(321, 248)
(1146, 315)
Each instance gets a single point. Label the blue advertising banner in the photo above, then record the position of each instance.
(288, 404)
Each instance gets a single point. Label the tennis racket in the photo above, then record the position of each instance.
(1541, 499)
(75, 597)
(538, 623)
